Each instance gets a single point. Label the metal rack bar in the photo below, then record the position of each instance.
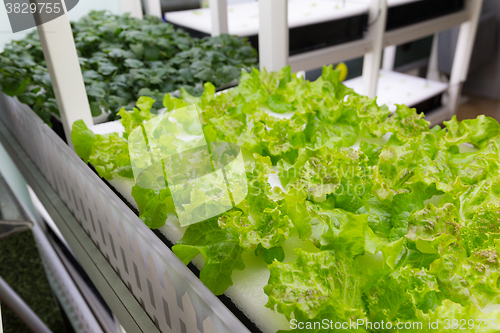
(389, 57)
(372, 59)
(426, 28)
(21, 309)
(329, 55)
(218, 11)
(60, 55)
(153, 8)
(463, 52)
(134, 7)
(273, 34)
(432, 67)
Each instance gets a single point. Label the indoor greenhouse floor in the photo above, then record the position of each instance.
(477, 105)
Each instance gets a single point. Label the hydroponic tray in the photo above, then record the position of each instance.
(406, 12)
(246, 293)
(173, 297)
(397, 88)
(313, 24)
(169, 293)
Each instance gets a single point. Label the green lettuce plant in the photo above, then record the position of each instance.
(405, 219)
(123, 58)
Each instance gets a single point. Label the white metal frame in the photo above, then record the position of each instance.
(273, 43)
(273, 34)
(273, 46)
(463, 52)
(60, 55)
(218, 10)
(134, 7)
(371, 61)
(468, 20)
(152, 7)
(316, 58)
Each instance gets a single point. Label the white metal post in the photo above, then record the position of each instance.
(153, 8)
(463, 52)
(389, 57)
(273, 34)
(371, 62)
(60, 55)
(134, 7)
(218, 11)
(432, 67)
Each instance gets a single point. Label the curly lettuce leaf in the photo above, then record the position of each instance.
(259, 220)
(432, 226)
(450, 316)
(219, 247)
(131, 119)
(479, 212)
(110, 156)
(473, 167)
(399, 295)
(316, 285)
(476, 131)
(153, 205)
(404, 204)
(339, 177)
(467, 279)
(82, 139)
(406, 123)
(107, 153)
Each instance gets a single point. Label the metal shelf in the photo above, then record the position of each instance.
(274, 27)
(329, 55)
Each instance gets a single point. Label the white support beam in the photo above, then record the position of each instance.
(463, 52)
(426, 28)
(389, 57)
(273, 34)
(371, 62)
(60, 54)
(218, 11)
(329, 55)
(153, 8)
(134, 7)
(432, 67)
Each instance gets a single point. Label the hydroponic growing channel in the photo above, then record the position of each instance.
(352, 214)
